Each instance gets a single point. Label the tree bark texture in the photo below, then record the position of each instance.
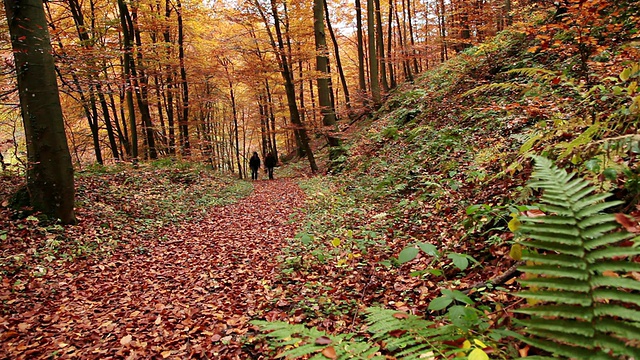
(49, 172)
(322, 61)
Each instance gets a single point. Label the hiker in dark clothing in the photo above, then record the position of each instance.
(270, 162)
(254, 164)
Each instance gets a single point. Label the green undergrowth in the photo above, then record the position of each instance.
(156, 194)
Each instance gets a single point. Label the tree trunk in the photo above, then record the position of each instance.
(336, 50)
(272, 120)
(324, 95)
(361, 76)
(78, 17)
(169, 82)
(392, 77)
(141, 87)
(49, 172)
(440, 9)
(402, 38)
(234, 111)
(373, 58)
(411, 39)
(127, 61)
(380, 45)
(184, 126)
(290, 88)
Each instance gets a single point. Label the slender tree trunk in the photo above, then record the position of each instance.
(49, 171)
(380, 46)
(359, 33)
(170, 83)
(123, 137)
(272, 120)
(141, 86)
(234, 111)
(373, 58)
(412, 41)
(127, 61)
(392, 77)
(290, 89)
(184, 126)
(303, 110)
(402, 38)
(443, 30)
(263, 124)
(314, 121)
(76, 12)
(336, 50)
(324, 98)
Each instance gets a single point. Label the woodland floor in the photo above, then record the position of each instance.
(189, 295)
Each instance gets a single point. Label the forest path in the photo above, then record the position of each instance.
(187, 295)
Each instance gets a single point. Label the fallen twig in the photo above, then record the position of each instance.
(498, 280)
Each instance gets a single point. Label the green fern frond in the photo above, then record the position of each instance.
(533, 72)
(296, 341)
(587, 305)
(567, 272)
(585, 138)
(555, 259)
(561, 297)
(496, 86)
(414, 336)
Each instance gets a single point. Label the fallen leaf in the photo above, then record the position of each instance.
(401, 315)
(23, 326)
(158, 320)
(524, 351)
(630, 225)
(329, 352)
(428, 355)
(516, 252)
(397, 333)
(165, 354)
(126, 340)
(323, 340)
(478, 354)
(534, 213)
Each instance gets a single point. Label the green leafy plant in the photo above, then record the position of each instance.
(297, 341)
(460, 261)
(578, 263)
(404, 336)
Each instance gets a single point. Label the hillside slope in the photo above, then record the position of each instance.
(443, 167)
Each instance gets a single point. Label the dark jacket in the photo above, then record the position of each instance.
(270, 161)
(254, 162)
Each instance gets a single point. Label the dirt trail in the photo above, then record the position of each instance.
(187, 295)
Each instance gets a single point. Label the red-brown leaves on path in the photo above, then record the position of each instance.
(188, 294)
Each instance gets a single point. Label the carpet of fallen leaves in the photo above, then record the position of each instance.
(189, 294)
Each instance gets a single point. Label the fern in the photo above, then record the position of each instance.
(409, 336)
(587, 306)
(534, 72)
(297, 341)
(496, 86)
(403, 335)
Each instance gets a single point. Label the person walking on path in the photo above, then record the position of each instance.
(254, 164)
(270, 162)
